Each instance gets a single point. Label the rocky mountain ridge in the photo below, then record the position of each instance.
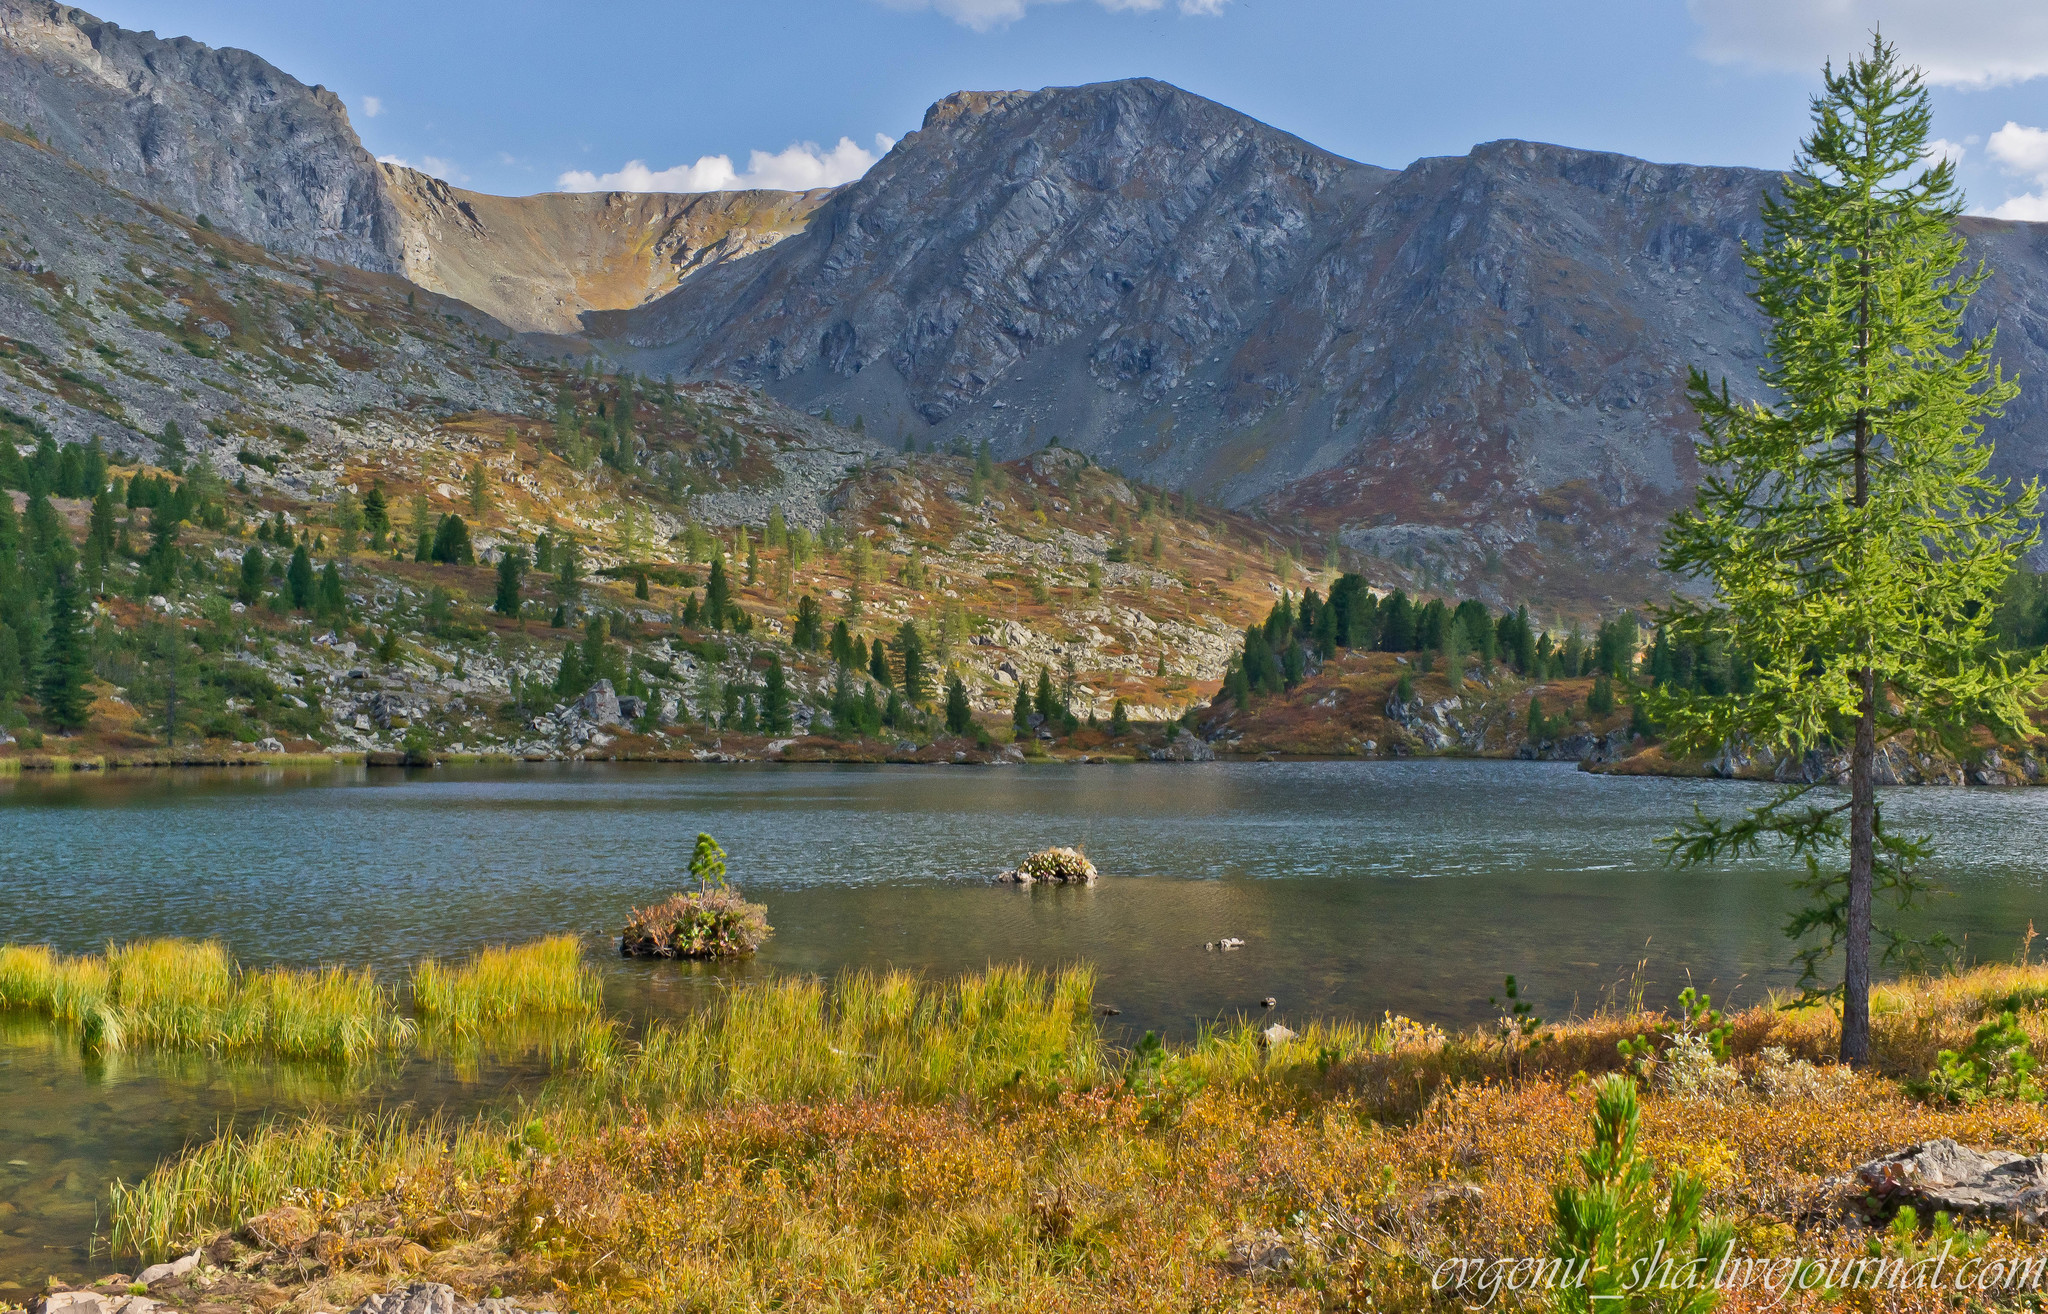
(1474, 367)
(1469, 372)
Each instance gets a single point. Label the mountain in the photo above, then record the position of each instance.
(224, 134)
(1469, 371)
(1474, 366)
(219, 133)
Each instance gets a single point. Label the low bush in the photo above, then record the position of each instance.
(715, 923)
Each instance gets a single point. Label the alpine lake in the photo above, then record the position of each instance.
(1359, 888)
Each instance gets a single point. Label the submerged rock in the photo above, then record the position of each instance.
(1996, 1185)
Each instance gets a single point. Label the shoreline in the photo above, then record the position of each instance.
(1647, 764)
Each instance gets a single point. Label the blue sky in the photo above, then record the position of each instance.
(517, 96)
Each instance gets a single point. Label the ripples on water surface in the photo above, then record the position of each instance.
(1360, 887)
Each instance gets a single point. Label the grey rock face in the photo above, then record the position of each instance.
(219, 133)
(599, 704)
(1964, 1183)
(1477, 361)
(430, 1298)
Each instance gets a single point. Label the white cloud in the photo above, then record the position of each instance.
(1941, 148)
(446, 170)
(2020, 149)
(2031, 208)
(983, 15)
(797, 168)
(1958, 43)
(372, 107)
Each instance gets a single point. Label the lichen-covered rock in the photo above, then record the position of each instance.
(1942, 1175)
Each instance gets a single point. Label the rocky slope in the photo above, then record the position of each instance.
(1468, 372)
(209, 132)
(537, 263)
(224, 134)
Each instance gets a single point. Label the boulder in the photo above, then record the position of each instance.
(599, 704)
(1942, 1175)
(419, 1298)
(92, 1302)
(178, 1267)
(631, 708)
(1184, 747)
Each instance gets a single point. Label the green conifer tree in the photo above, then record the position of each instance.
(255, 570)
(511, 569)
(99, 542)
(910, 656)
(775, 711)
(959, 712)
(298, 579)
(878, 665)
(717, 595)
(67, 656)
(329, 597)
(1849, 526)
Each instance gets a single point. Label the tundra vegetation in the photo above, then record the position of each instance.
(881, 1141)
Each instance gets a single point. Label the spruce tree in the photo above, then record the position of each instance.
(959, 712)
(1020, 715)
(1852, 534)
(717, 594)
(910, 655)
(775, 715)
(329, 598)
(376, 516)
(298, 579)
(67, 656)
(511, 567)
(451, 542)
(164, 558)
(255, 570)
(99, 542)
(1047, 703)
(807, 633)
(878, 664)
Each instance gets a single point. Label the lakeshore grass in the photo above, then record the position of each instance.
(191, 994)
(186, 994)
(501, 983)
(880, 1142)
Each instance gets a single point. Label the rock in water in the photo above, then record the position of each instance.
(1059, 866)
(1995, 1185)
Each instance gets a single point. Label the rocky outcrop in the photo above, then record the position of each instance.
(219, 133)
(1943, 1176)
(430, 1298)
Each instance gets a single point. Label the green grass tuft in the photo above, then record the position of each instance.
(499, 984)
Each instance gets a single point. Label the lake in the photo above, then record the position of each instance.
(1358, 887)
